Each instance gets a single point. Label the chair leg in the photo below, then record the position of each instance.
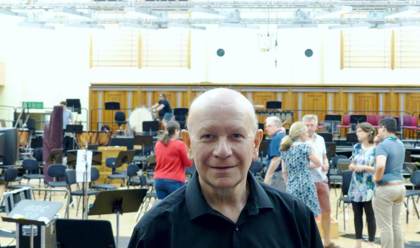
(77, 208)
(344, 215)
(415, 207)
(406, 211)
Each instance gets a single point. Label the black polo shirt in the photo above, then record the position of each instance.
(269, 219)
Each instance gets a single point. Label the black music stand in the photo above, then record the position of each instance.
(72, 158)
(74, 128)
(84, 233)
(122, 141)
(117, 202)
(150, 126)
(333, 118)
(328, 137)
(146, 142)
(74, 105)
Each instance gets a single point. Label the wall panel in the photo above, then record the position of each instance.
(312, 99)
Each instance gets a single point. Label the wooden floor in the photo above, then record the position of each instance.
(344, 239)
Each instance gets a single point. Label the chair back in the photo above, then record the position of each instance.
(70, 177)
(10, 174)
(415, 178)
(110, 162)
(132, 170)
(30, 165)
(372, 119)
(56, 171)
(180, 111)
(94, 174)
(346, 182)
(346, 120)
(120, 118)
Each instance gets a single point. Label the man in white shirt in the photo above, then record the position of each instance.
(319, 176)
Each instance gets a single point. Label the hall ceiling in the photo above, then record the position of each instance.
(162, 14)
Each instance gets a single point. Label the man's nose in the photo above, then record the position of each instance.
(223, 148)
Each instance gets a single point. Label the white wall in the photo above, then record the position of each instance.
(49, 66)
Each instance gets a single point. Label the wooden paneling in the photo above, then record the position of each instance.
(365, 103)
(315, 103)
(412, 104)
(113, 96)
(314, 100)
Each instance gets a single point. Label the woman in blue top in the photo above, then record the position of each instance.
(362, 185)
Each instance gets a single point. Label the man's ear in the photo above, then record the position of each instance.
(185, 136)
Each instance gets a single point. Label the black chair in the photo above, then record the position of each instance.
(133, 178)
(124, 157)
(94, 176)
(11, 176)
(31, 166)
(180, 111)
(335, 177)
(71, 180)
(344, 199)
(120, 119)
(411, 194)
(58, 173)
(84, 233)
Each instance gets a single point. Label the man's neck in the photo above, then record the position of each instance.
(228, 202)
(313, 136)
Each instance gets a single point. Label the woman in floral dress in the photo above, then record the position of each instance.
(362, 186)
(296, 154)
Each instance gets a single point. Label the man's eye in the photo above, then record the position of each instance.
(206, 136)
(237, 135)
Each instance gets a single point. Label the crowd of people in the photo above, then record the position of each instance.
(224, 205)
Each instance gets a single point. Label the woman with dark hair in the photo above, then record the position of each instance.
(171, 161)
(163, 108)
(362, 186)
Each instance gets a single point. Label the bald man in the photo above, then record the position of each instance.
(223, 205)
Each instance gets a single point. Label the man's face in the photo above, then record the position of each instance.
(223, 145)
(270, 129)
(311, 125)
(381, 132)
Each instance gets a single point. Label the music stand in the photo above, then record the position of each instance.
(150, 126)
(122, 141)
(74, 105)
(118, 202)
(74, 128)
(351, 138)
(124, 157)
(146, 141)
(84, 233)
(328, 137)
(112, 106)
(72, 158)
(333, 118)
(355, 119)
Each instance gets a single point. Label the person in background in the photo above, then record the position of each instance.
(273, 176)
(67, 115)
(223, 205)
(319, 176)
(390, 190)
(296, 154)
(171, 161)
(362, 186)
(163, 108)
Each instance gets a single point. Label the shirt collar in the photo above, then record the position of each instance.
(197, 205)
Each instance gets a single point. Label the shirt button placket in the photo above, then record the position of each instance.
(236, 243)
